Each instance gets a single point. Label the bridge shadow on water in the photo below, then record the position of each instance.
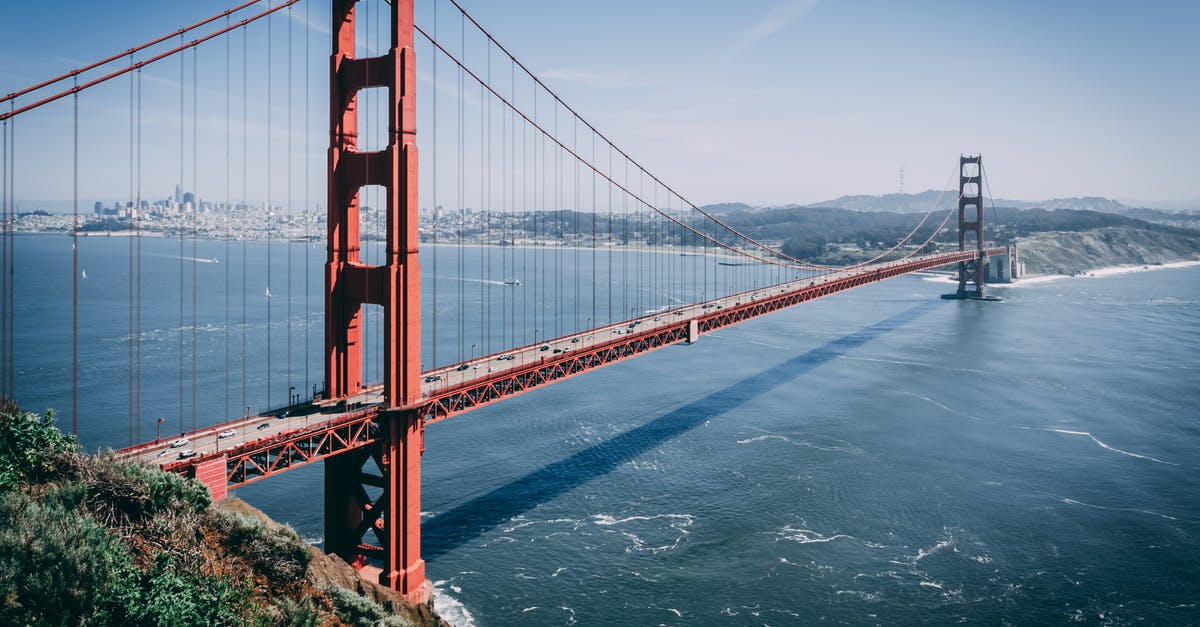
(453, 528)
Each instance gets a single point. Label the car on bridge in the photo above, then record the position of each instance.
(180, 442)
(186, 453)
(228, 433)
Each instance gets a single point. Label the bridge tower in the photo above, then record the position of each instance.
(972, 273)
(357, 502)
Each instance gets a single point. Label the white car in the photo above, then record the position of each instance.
(180, 442)
(228, 433)
(186, 453)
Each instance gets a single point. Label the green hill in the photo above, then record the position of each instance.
(92, 540)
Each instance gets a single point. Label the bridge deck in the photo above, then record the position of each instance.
(264, 444)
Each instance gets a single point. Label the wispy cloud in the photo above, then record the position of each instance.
(775, 20)
(587, 79)
(315, 24)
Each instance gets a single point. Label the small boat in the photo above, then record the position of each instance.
(268, 291)
(512, 282)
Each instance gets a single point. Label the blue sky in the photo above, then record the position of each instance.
(762, 102)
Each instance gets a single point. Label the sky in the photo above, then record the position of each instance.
(768, 103)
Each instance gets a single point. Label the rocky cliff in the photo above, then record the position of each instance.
(1072, 252)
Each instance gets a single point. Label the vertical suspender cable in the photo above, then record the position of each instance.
(137, 335)
(244, 203)
(575, 236)
(484, 190)
(307, 208)
(179, 209)
(75, 276)
(132, 338)
(12, 258)
(433, 201)
(462, 187)
(559, 228)
(228, 235)
(505, 252)
(195, 212)
(5, 309)
(594, 209)
(609, 300)
(289, 206)
(270, 207)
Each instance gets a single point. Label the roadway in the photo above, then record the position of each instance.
(244, 433)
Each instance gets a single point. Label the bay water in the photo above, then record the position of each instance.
(876, 457)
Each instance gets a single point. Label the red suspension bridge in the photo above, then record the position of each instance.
(559, 253)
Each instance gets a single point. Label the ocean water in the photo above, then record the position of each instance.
(877, 457)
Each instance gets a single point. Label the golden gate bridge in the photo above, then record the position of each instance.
(559, 253)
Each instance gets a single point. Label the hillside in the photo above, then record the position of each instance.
(91, 540)
(1071, 252)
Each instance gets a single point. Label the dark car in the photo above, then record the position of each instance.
(463, 367)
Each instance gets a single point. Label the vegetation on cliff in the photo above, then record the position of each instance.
(1074, 252)
(98, 541)
(1056, 241)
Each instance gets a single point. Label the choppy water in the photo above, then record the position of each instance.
(877, 457)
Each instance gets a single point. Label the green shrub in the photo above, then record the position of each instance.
(353, 608)
(170, 596)
(297, 614)
(32, 450)
(277, 553)
(56, 566)
(122, 494)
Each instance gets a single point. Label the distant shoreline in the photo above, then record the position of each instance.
(1097, 273)
(1102, 272)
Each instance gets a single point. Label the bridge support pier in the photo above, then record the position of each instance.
(383, 502)
(972, 273)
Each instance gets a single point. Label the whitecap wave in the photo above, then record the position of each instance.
(1111, 448)
(449, 608)
(1117, 509)
(801, 443)
(808, 536)
(657, 538)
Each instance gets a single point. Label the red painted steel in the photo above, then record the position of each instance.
(134, 50)
(970, 221)
(140, 64)
(364, 428)
(396, 286)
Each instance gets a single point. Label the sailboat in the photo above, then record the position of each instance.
(268, 291)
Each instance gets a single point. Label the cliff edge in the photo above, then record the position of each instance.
(92, 540)
(1074, 252)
